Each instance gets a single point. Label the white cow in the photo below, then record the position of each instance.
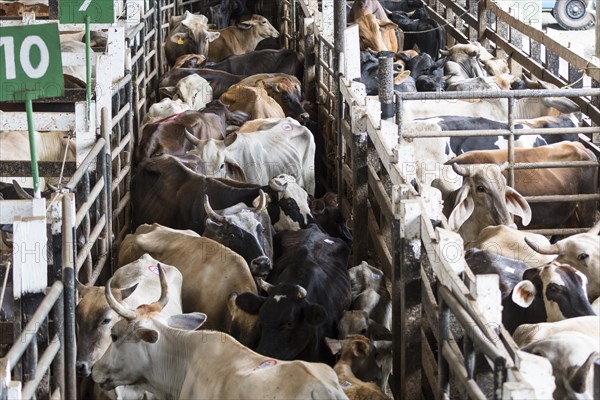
(581, 251)
(588, 325)
(163, 109)
(572, 355)
(193, 90)
(135, 283)
(173, 361)
(50, 146)
(287, 147)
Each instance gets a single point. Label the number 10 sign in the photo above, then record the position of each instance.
(30, 62)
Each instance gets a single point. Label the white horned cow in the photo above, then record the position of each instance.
(483, 200)
(581, 251)
(287, 147)
(193, 90)
(174, 361)
(135, 283)
(211, 271)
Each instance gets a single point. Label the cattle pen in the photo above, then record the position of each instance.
(446, 320)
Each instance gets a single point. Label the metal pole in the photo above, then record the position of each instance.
(339, 25)
(511, 142)
(385, 74)
(68, 259)
(88, 71)
(597, 362)
(32, 151)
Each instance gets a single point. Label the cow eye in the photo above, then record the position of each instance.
(582, 256)
(113, 337)
(480, 189)
(288, 325)
(106, 321)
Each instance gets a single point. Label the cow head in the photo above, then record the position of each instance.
(138, 337)
(353, 321)
(484, 199)
(189, 61)
(191, 35)
(95, 319)
(288, 93)
(557, 289)
(329, 216)
(163, 109)
(363, 277)
(247, 231)
(216, 159)
(288, 320)
(288, 204)
(467, 56)
(376, 34)
(259, 26)
(193, 90)
(581, 251)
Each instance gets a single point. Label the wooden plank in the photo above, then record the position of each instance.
(380, 248)
(30, 266)
(429, 365)
(44, 121)
(46, 168)
(381, 196)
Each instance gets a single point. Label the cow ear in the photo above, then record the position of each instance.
(125, 293)
(229, 139)
(524, 293)
(147, 335)
(250, 302)
(212, 36)
(579, 375)
(245, 25)
(360, 349)
(315, 314)
(168, 91)
(463, 209)
(335, 345)
(386, 26)
(187, 322)
(517, 205)
(178, 37)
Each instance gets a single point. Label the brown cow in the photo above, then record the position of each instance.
(376, 34)
(241, 38)
(189, 35)
(255, 101)
(11, 9)
(549, 181)
(284, 89)
(168, 135)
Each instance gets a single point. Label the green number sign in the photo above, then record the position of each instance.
(30, 63)
(75, 11)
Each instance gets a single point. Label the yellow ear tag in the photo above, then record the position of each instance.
(180, 41)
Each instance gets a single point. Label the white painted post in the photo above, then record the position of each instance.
(327, 18)
(489, 298)
(351, 53)
(30, 266)
(115, 48)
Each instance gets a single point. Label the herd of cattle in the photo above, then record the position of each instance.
(229, 235)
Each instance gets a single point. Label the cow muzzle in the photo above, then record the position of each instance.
(304, 118)
(260, 267)
(83, 368)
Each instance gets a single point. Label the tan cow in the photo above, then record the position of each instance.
(174, 361)
(241, 38)
(210, 270)
(255, 101)
(504, 241)
(376, 34)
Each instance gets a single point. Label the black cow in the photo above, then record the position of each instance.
(226, 10)
(549, 293)
(509, 271)
(426, 33)
(311, 290)
(369, 64)
(167, 192)
(329, 216)
(262, 61)
(427, 73)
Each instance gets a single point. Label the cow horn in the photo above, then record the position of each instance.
(262, 203)
(277, 186)
(120, 308)
(301, 292)
(195, 141)
(504, 166)
(551, 249)
(579, 378)
(164, 288)
(595, 229)
(264, 285)
(460, 170)
(79, 286)
(23, 195)
(210, 212)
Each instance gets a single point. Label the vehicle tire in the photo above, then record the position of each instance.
(572, 15)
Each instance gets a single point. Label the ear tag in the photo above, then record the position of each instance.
(180, 41)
